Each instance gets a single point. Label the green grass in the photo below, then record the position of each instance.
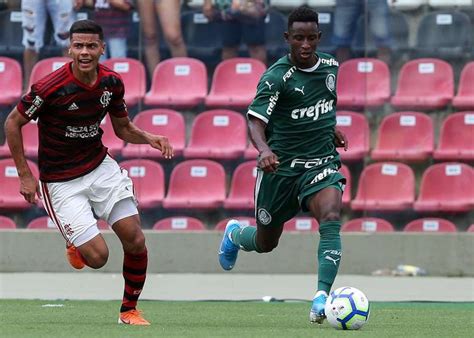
(28, 318)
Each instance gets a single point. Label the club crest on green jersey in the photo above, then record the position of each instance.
(331, 82)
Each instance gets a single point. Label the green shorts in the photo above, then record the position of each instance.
(280, 198)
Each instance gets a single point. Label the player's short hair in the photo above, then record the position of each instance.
(88, 27)
(303, 14)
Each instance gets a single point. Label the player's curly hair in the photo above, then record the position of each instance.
(88, 27)
(303, 14)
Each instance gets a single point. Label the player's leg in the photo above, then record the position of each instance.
(379, 22)
(169, 12)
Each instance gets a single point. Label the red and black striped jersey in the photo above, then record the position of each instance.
(69, 114)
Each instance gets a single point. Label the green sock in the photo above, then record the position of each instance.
(245, 238)
(329, 254)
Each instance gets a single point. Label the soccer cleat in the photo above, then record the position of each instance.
(317, 315)
(74, 257)
(132, 317)
(228, 250)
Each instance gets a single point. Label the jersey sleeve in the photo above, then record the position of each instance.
(32, 103)
(268, 91)
(117, 107)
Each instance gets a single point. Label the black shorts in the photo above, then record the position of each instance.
(249, 32)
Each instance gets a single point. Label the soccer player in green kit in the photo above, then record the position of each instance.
(292, 123)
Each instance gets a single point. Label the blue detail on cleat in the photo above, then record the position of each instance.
(228, 250)
(317, 315)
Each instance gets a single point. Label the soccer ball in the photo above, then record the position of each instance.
(347, 308)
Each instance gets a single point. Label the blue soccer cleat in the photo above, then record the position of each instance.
(317, 315)
(228, 250)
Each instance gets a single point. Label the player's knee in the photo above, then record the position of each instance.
(97, 260)
(137, 244)
(331, 216)
(267, 246)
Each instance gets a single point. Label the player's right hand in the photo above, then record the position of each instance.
(29, 188)
(268, 161)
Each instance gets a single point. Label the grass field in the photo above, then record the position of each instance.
(25, 318)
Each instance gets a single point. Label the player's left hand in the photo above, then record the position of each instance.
(340, 139)
(162, 143)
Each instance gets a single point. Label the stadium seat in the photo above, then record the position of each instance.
(367, 224)
(250, 152)
(11, 81)
(45, 67)
(133, 75)
(243, 220)
(4, 150)
(103, 225)
(386, 187)
(430, 225)
(363, 83)
(30, 139)
(10, 198)
(7, 223)
(179, 223)
(196, 184)
(241, 195)
(456, 141)
(406, 136)
(276, 24)
(465, 98)
(11, 34)
(456, 30)
(43, 223)
(424, 84)
(234, 83)
(301, 224)
(219, 134)
(461, 4)
(356, 128)
(446, 187)
(148, 181)
(162, 122)
(471, 228)
(178, 82)
(347, 195)
(113, 143)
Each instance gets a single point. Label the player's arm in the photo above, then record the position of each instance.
(29, 186)
(127, 131)
(267, 160)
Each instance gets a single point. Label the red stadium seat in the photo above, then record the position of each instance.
(424, 84)
(196, 184)
(178, 82)
(456, 141)
(243, 220)
(301, 224)
(250, 152)
(45, 67)
(385, 186)
(43, 223)
(30, 139)
(235, 82)
(133, 75)
(465, 98)
(347, 195)
(405, 136)
(446, 187)
(113, 143)
(10, 198)
(4, 150)
(165, 122)
(179, 223)
(7, 223)
(11, 81)
(219, 134)
(356, 128)
(363, 82)
(430, 225)
(103, 225)
(148, 181)
(471, 228)
(241, 195)
(367, 224)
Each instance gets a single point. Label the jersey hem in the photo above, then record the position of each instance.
(257, 115)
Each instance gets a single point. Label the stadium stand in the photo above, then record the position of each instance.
(385, 187)
(321, 3)
(464, 99)
(301, 224)
(196, 184)
(133, 75)
(162, 122)
(113, 143)
(30, 139)
(7, 223)
(234, 82)
(461, 4)
(424, 84)
(356, 128)
(11, 81)
(45, 67)
(178, 82)
(275, 26)
(4, 150)
(250, 152)
(437, 225)
(288, 4)
(367, 224)
(243, 220)
(407, 4)
(326, 26)
(456, 141)
(148, 181)
(42, 223)
(405, 136)
(241, 195)
(219, 134)
(11, 34)
(471, 228)
(103, 225)
(445, 187)
(179, 223)
(363, 83)
(347, 195)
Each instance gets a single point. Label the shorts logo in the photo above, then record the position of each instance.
(331, 82)
(264, 216)
(105, 98)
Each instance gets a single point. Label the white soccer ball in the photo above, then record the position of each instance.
(347, 308)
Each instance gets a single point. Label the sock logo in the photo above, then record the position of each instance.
(329, 258)
(332, 252)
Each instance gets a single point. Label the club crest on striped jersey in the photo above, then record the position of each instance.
(105, 98)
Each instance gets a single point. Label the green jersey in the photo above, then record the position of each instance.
(299, 108)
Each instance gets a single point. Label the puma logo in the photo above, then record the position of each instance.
(329, 258)
(269, 85)
(301, 90)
